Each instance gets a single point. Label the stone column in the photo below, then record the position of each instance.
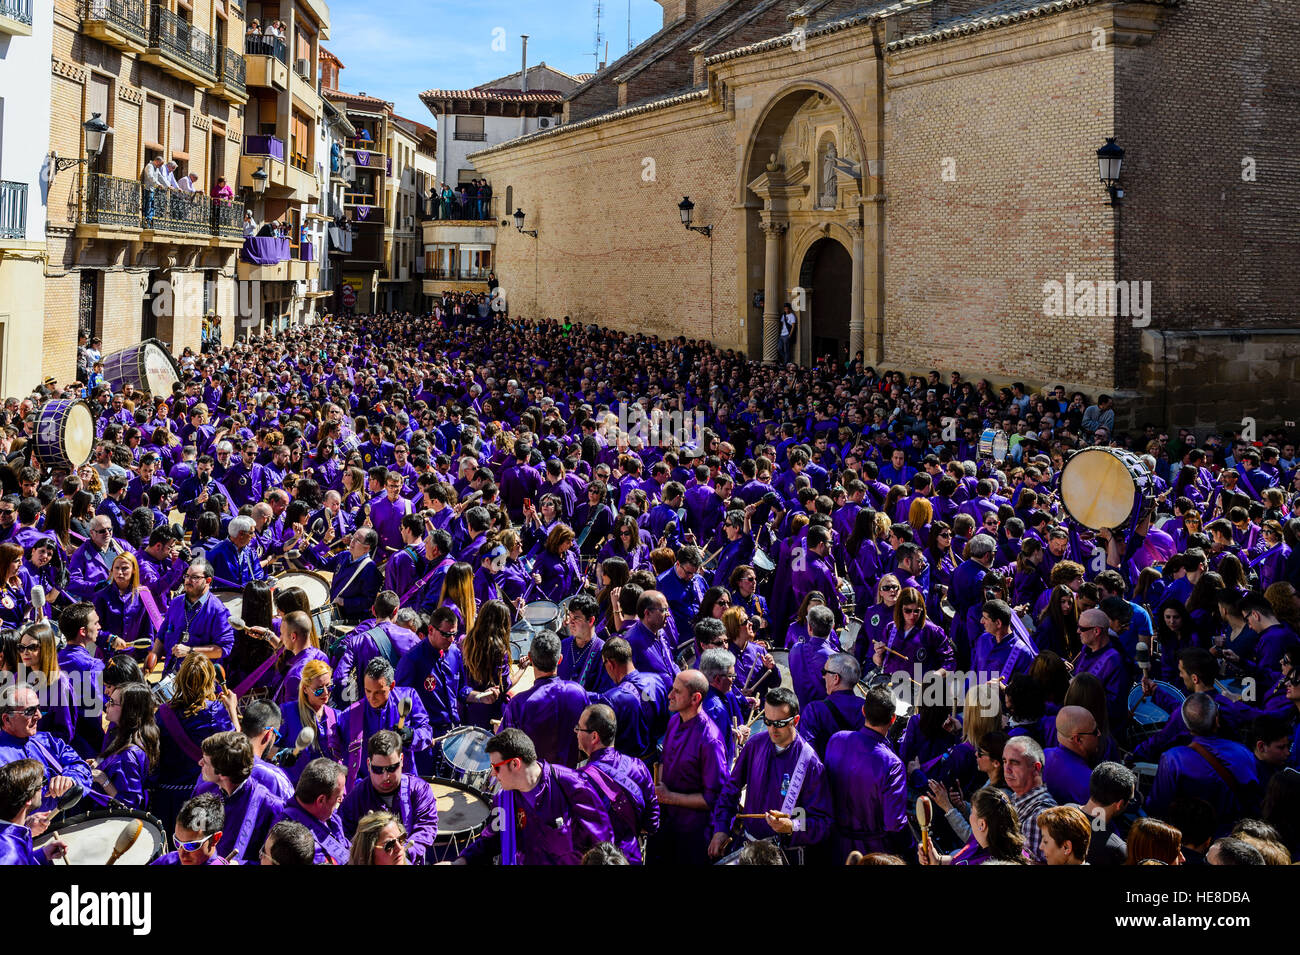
(856, 318)
(772, 288)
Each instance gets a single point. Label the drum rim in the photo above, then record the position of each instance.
(472, 731)
(95, 815)
(281, 578)
(477, 794)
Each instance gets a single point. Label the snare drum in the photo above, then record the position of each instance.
(762, 563)
(521, 640)
(463, 813)
(994, 445)
(91, 837)
(1106, 488)
(466, 750)
(849, 635)
(148, 366)
(1150, 713)
(347, 444)
(542, 615)
(317, 589)
(232, 600)
(65, 433)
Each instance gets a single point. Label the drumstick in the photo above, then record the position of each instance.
(924, 813)
(900, 656)
(763, 815)
(64, 857)
(403, 710)
(306, 736)
(125, 840)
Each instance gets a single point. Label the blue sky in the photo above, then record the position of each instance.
(399, 49)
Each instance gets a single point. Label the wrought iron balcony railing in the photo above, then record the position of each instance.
(181, 41)
(126, 16)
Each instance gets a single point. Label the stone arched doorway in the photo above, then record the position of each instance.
(826, 276)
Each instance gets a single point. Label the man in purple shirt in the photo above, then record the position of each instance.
(227, 765)
(315, 802)
(20, 793)
(548, 710)
(386, 515)
(694, 768)
(622, 783)
(520, 482)
(1103, 661)
(195, 621)
(389, 788)
(1067, 766)
(869, 785)
(552, 815)
(650, 651)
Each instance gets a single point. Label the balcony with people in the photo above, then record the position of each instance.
(123, 24)
(151, 209)
(277, 252)
(266, 55)
(178, 47)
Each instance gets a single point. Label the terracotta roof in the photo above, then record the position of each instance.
(331, 57)
(506, 96)
(1000, 14)
(357, 98)
(832, 26)
(419, 128)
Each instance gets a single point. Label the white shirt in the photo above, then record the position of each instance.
(185, 184)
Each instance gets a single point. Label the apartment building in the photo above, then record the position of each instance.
(26, 28)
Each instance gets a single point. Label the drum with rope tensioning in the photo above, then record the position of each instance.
(65, 433)
(1106, 488)
(148, 366)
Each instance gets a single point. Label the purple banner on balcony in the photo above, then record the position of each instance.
(362, 213)
(264, 250)
(306, 252)
(388, 165)
(264, 146)
(363, 157)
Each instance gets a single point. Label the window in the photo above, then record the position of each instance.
(464, 176)
(299, 140)
(180, 133)
(470, 128)
(153, 130)
(99, 99)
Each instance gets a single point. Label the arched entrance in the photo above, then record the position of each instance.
(826, 276)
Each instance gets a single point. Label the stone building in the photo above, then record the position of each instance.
(920, 179)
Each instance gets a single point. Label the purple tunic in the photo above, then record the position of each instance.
(693, 762)
(869, 785)
(332, 843)
(627, 790)
(413, 802)
(548, 711)
(765, 775)
(1066, 775)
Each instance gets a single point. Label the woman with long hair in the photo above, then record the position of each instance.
(38, 656)
(744, 592)
(910, 640)
(45, 566)
(942, 562)
(1271, 562)
(715, 602)
(195, 711)
(614, 573)
(58, 522)
(995, 834)
(121, 610)
(1027, 581)
(312, 708)
(380, 839)
(876, 618)
(458, 594)
(1173, 633)
(513, 582)
(257, 610)
(539, 521)
(751, 658)
(131, 748)
(625, 542)
(1058, 624)
(291, 599)
(863, 553)
(14, 602)
(485, 652)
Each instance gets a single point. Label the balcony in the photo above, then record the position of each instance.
(468, 137)
(274, 259)
(467, 274)
(232, 84)
(16, 17)
(364, 213)
(116, 205)
(266, 59)
(13, 210)
(123, 24)
(178, 48)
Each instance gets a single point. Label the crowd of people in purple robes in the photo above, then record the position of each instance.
(688, 606)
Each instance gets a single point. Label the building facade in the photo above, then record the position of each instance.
(26, 39)
(920, 180)
(366, 169)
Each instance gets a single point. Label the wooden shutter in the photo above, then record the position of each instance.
(180, 133)
(153, 123)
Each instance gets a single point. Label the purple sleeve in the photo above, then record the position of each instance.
(726, 806)
(713, 767)
(590, 821)
(424, 822)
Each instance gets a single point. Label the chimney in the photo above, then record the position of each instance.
(523, 83)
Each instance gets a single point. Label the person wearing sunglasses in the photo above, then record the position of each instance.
(381, 707)
(557, 815)
(1067, 766)
(198, 830)
(380, 839)
(435, 670)
(783, 781)
(387, 788)
(66, 773)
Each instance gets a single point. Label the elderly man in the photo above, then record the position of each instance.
(808, 657)
(549, 709)
(1217, 770)
(384, 706)
(234, 561)
(152, 178)
(840, 711)
(195, 621)
(315, 802)
(694, 769)
(388, 787)
(783, 781)
(1067, 766)
(1022, 769)
(623, 783)
(724, 704)
(92, 561)
(552, 815)
(357, 578)
(869, 785)
(1102, 660)
(651, 652)
(66, 773)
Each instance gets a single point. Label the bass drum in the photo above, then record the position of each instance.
(317, 589)
(65, 434)
(148, 366)
(91, 837)
(463, 812)
(1106, 488)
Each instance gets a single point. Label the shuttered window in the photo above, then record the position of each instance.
(180, 134)
(153, 134)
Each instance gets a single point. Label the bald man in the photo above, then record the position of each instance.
(1068, 765)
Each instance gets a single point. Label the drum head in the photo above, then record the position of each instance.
(986, 443)
(1098, 489)
(160, 371)
(521, 639)
(78, 434)
(782, 660)
(466, 750)
(232, 600)
(762, 561)
(461, 809)
(849, 635)
(1001, 445)
(91, 837)
(525, 680)
(318, 592)
(540, 613)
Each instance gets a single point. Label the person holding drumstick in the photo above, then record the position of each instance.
(20, 793)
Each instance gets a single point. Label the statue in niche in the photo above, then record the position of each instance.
(830, 183)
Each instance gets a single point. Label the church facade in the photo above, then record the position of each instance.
(919, 180)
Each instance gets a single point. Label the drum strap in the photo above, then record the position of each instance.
(420, 584)
(361, 565)
(1216, 764)
(171, 722)
(251, 680)
(796, 781)
(509, 843)
(151, 607)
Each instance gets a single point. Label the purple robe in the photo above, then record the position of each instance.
(869, 785)
(764, 775)
(548, 711)
(332, 844)
(694, 761)
(627, 789)
(413, 802)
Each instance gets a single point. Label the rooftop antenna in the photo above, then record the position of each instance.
(598, 10)
(629, 26)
